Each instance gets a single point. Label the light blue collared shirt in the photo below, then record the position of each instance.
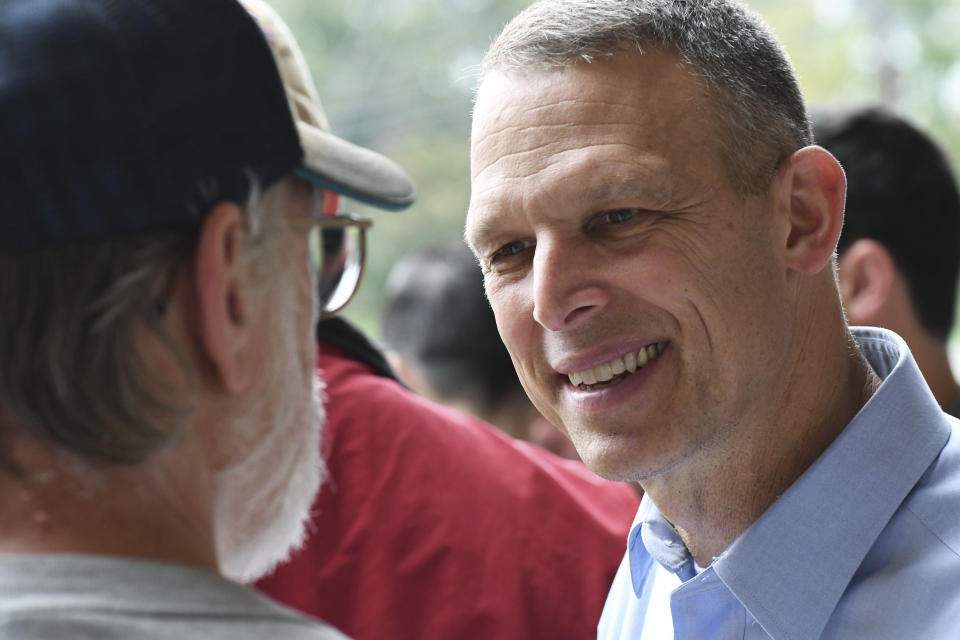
(864, 545)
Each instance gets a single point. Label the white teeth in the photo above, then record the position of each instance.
(609, 370)
(630, 360)
(589, 376)
(642, 358)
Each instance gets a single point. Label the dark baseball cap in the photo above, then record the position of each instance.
(117, 115)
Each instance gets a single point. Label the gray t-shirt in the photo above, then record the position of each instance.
(89, 597)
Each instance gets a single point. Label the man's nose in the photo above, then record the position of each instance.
(567, 287)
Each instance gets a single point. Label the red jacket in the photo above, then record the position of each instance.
(432, 524)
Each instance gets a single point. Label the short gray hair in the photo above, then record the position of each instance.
(71, 367)
(760, 108)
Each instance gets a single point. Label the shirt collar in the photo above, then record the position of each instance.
(790, 568)
(660, 542)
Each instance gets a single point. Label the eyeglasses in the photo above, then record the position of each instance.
(338, 245)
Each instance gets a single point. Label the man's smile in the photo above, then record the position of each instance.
(617, 369)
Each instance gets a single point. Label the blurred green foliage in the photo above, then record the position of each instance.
(398, 76)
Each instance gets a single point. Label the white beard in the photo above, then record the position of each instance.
(264, 500)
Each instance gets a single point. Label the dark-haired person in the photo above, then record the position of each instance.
(657, 232)
(900, 246)
(441, 338)
(160, 417)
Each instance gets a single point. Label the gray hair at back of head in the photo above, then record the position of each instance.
(72, 369)
(759, 109)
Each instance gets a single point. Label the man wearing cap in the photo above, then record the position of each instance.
(159, 420)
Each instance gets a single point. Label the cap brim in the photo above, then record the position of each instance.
(355, 172)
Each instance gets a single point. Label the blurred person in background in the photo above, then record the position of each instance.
(160, 413)
(442, 340)
(899, 251)
(432, 524)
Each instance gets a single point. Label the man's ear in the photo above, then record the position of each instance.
(813, 191)
(221, 297)
(866, 273)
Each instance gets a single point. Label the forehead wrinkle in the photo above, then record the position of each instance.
(642, 175)
(588, 105)
(546, 138)
(551, 156)
(567, 119)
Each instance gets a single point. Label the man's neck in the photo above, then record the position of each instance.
(717, 494)
(59, 506)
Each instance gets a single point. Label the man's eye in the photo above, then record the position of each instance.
(618, 215)
(511, 249)
(615, 221)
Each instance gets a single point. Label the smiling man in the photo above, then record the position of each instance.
(657, 237)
